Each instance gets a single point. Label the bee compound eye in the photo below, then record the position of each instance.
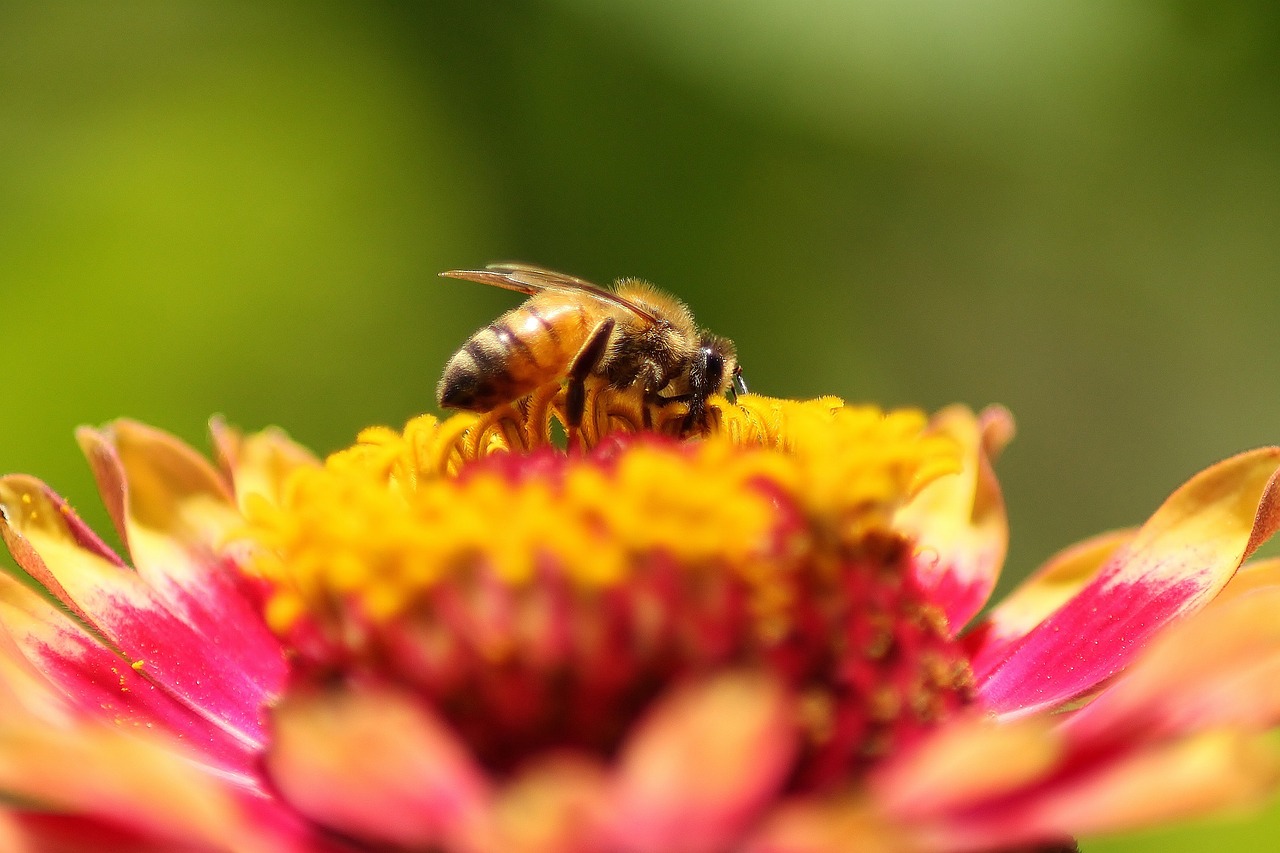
(711, 370)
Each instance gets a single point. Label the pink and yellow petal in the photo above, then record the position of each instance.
(174, 511)
(225, 671)
(1220, 668)
(966, 764)
(1178, 736)
(959, 520)
(375, 764)
(96, 683)
(42, 531)
(1048, 589)
(170, 506)
(1178, 561)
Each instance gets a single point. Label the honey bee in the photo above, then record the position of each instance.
(631, 335)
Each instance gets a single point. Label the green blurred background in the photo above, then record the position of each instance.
(1071, 208)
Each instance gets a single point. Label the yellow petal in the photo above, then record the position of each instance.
(170, 505)
(258, 463)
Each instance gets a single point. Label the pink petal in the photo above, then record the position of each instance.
(1048, 589)
(702, 764)
(959, 520)
(376, 765)
(52, 545)
(1178, 561)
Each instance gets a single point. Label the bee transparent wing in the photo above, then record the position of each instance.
(530, 279)
(553, 279)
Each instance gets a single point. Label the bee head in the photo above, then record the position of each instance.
(715, 367)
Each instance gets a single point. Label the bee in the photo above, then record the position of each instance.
(631, 335)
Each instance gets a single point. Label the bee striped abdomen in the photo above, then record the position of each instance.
(523, 349)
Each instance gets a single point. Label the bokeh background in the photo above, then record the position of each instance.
(1069, 208)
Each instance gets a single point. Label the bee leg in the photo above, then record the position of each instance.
(697, 416)
(575, 394)
(660, 402)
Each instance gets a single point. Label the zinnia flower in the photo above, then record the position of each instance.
(460, 638)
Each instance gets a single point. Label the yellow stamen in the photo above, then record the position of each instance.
(384, 522)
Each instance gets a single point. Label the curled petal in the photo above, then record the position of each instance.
(41, 530)
(708, 756)
(1185, 553)
(1049, 588)
(1253, 576)
(374, 764)
(959, 521)
(166, 500)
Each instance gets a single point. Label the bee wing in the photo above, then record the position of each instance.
(530, 279)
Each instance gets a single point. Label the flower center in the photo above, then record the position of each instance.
(541, 599)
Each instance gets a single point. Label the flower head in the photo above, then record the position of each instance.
(459, 636)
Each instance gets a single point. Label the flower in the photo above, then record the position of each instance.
(460, 637)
